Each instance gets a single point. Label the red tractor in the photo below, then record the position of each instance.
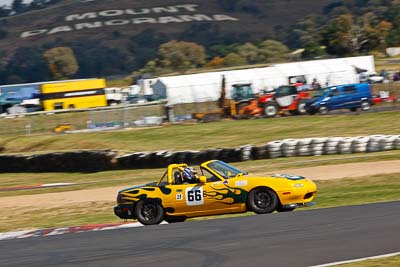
(284, 98)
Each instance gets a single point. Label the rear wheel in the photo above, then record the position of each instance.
(353, 109)
(149, 212)
(262, 200)
(271, 109)
(365, 105)
(323, 110)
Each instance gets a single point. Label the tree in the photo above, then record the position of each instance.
(4, 11)
(28, 64)
(228, 5)
(215, 62)
(62, 62)
(250, 53)
(233, 59)
(273, 50)
(18, 6)
(181, 55)
(312, 50)
(95, 59)
(337, 36)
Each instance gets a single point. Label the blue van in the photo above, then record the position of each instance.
(347, 96)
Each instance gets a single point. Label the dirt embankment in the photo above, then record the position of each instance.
(108, 194)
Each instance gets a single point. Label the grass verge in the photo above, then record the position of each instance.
(226, 133)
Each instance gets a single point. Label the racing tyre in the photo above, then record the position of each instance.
(365, 106)
(301, 108)
(174, 219)
(262, 200)
(149, 212)
(323, 110)
(271, 109)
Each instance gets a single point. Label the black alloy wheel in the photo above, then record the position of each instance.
(262, 200)
(149, 212)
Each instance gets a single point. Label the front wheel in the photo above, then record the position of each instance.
(323, 110)
(149, 212)
(271, 109)
(301, 108)
(262, 200)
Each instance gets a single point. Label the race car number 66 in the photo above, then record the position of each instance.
(194, 196)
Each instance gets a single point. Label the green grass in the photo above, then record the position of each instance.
(226, 133)
(377, 188)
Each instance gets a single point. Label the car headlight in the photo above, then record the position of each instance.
(298, 185)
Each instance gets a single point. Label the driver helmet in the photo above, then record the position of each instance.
(189, 174)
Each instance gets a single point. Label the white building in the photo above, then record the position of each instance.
(203, 87)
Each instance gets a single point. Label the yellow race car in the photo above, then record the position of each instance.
(218, 189)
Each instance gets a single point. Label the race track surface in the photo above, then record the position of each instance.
(281, 239)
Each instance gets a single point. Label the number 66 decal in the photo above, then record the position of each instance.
(194, 196)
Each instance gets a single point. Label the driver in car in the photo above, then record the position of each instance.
(190, 176)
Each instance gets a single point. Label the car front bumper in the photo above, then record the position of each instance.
(124, 211)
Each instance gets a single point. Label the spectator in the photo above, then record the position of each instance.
(315, 84)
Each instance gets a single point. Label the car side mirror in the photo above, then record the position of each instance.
(203, 179)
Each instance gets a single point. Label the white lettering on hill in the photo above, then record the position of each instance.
(124, 21)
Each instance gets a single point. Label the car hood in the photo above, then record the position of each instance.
(137, 186)
(280, 176)
(288, 176)
(312, 100)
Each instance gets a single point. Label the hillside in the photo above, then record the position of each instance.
(103, 19)
(118, 37)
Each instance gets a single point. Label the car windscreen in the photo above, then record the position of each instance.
(225, 170)
(285, 91)
(321, 92)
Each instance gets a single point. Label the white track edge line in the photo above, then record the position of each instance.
(357, 260)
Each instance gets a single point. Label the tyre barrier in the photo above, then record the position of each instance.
(289, 147)
(345, 145)
(75, 161)
(274, 149)
(360, 144)
(260, 152)
(331, 145)
(98, 160)
(304, 147)
(396, 144)
(318, 145)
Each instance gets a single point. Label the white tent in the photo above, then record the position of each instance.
(204, 87)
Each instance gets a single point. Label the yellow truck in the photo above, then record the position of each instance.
(72, 94)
